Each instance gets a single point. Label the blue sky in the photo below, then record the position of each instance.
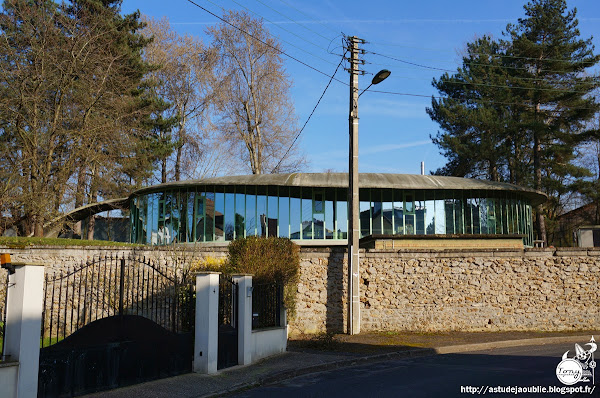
(394, 129)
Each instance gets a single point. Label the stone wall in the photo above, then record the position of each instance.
(442, 290)
(420, 290)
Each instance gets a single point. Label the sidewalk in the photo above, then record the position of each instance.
(331, 352)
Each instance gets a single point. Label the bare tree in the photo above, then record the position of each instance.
(255, 113)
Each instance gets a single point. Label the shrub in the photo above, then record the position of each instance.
(268, 259)
(211, 264)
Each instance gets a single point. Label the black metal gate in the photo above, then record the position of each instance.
(113, 322)
(228, 323)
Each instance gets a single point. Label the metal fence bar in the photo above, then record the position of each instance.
(267, 300)
(72, 298)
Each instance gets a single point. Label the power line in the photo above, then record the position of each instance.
(294, 21)
(263, 42)
(301, 12)
(467, 63)
(311, 113)
(474, 53)
(473, 100)
(289, 31)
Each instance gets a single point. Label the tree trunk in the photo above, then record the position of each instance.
(178, 163)
(92, 199)
(38, 227)
(90, 227)
(79, 195)
(541, 222)
(163, 167)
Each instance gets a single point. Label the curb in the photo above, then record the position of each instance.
(454, 349)
(290, 374)
(410, 353)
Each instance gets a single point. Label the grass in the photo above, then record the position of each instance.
(21, 241)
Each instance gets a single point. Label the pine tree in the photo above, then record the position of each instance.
(550, 60)
(536, 108)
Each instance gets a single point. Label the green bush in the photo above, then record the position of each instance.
(268, 260)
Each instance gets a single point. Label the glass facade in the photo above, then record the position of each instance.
(223, 213)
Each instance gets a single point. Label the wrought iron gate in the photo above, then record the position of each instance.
(113, 322)
(228, 323)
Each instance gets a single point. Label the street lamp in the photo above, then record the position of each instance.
(378, 78)
(353, 320)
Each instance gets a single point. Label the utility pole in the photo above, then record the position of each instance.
(353, 315)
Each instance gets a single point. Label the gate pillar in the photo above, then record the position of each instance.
(23, 324)
(207, 322)
(244, 282)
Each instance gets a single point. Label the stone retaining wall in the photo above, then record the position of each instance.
(420, 290)
(442, 290)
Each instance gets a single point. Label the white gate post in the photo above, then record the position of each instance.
(206, 342)
(244, 321)
(23, 324)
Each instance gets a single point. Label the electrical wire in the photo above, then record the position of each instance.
(477, 100)
(308, 16)
(449, 70)
(309, 116)
(474, 53)
(282, 28)
(263, 42)
(294, 21)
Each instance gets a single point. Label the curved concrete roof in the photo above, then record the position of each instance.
(366, 180)
(52, 227)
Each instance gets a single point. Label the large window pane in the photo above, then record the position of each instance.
(440, 217)
(483, 216)
(240, 211)
(318, 214)
(387, 211)
(284, 212)
(376, 212)
(272, 208)
(219, 215)
(468, 206)
(189, 216)
(210, 219)
(182, 235)
(429, 214)
(491, 211)
(229, 215)
(203, 228)
(365, 212)
(295, 215)
(153, 214)
(459, 218)
(450, 219)
(475, 214)
(261, 211)
(307, 207)
(329, 213)
(398, 213)
(341, 214)
(419, 213)
(251, 211)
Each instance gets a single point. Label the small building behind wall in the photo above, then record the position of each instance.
(311, 208)
(588, 236)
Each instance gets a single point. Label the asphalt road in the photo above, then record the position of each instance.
(434, 376)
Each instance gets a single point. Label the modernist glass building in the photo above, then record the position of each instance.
(310, 207)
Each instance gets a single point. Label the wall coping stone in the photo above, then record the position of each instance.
(8, 364)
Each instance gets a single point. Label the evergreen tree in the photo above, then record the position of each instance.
(550, 59)
(526, 99)
(74, 106)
